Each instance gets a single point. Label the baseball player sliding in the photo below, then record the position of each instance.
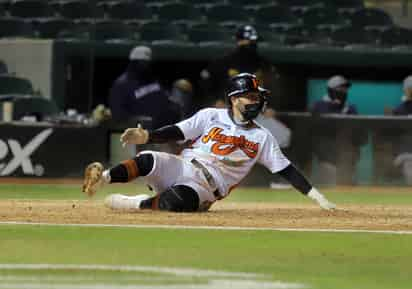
(226, 145)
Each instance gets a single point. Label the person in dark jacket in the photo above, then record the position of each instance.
(335, 146)
(335, 101)
(403, 159)
(245, 58)
(138, 93)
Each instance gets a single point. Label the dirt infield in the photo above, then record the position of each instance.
(222, 214)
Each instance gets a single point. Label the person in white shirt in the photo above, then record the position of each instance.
(226, 144)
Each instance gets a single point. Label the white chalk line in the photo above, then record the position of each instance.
(222, 228)
(218, 279)
(127, 268)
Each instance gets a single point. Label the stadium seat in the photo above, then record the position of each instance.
(397, 37)
(129, 11)
(210, 35)
(345, 5)
(300, 3)
(319, 16)
(51, 28)
(202, 4)
(179, 12)
(15, 27)
(297, 34)
(12, 85)
(31, 9)
(113, 31)
(78, 32)
(355, 36)
(161, 33)
(228, 13)
(79, 9)
(33, 106)
(371, 17)
(274, 14)
(298, 8)
(251, 4)
(270, 37)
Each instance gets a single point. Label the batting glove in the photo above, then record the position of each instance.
(321, 200)
(136, 136)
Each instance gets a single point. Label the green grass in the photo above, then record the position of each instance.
(321, 260)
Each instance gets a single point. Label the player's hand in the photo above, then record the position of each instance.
(321, 200)
(136, 136)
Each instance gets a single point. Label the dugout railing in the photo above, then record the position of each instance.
(370, 150)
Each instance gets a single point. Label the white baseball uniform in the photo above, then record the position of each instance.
(228, 152)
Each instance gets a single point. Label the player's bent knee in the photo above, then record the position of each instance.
(144, 162)
(179, 198)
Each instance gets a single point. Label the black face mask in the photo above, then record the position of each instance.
(339, 95)
(251, 111)
(142, 69)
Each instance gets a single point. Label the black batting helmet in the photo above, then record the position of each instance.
(246, 83)
(242, 83)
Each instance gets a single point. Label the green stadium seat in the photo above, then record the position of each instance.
(251, 4)
(31, 9)
(297, 34)
(113, 31)
(397, 37)
(210, 35)
(319, 16)
(274, 14)
(78, 32)
(283, 33)
(270, 37)
(298, 8)
(161, 33)
(129, 11)
(228, 13)
(345, 5)
(371, 17)
(354, 36)
(179, 12)
(203, 4)
(37, 106)
(79, 9)
(300, 3)
(15, 28)
(12, 85)
(51, 27)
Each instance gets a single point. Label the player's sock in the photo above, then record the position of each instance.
(128, 170)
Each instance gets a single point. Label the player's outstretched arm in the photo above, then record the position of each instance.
(299, 182)
(139, 135)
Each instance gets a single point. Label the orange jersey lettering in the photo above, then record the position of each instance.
(227, 144)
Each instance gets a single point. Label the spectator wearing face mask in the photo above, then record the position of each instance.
(335, 101)
(243, 59)
(137, 93)
(403, 159)
(336, 148)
